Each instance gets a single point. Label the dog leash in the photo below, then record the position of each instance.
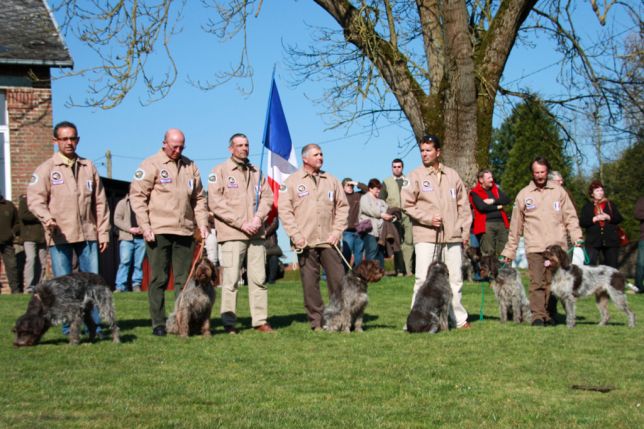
(194, 262)
(335, 246)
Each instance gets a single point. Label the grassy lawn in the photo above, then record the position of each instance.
(490, 376)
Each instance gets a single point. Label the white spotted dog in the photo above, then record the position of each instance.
(570, 282)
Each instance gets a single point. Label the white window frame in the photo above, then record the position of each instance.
(6, 149)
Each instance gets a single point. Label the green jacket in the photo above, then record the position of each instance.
(9, 227)
(30, 227)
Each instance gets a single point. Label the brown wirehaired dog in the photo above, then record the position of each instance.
(346, 309)
(191, 313)
(508, 290)
(67, 299)
(570, 282)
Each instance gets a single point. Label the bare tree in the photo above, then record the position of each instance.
(437, 64)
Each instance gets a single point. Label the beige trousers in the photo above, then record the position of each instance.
(451, 256)
(231, 259)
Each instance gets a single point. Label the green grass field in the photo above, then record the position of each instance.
(491, 376)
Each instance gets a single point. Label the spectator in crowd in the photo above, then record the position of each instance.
(599, 218)
(314, 211)
(273, 252)
(131, 247)
(390, 193)
(544, 214)
(374, 209)
(67, 196)
(241, 205)
(33, 237)
(436, 200)
(639, 215)
(352, 242)
(167, 198)
(556, 177)
(9, 227)
(490, 220)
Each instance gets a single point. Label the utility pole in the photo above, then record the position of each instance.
(108, 161)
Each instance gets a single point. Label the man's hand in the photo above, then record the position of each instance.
(102, 247)
(437, 221)
(489, 201)
(299, 244)
(52, 226)
(148, 236)
(205, 232)
(135, 230)
(334, 239)
(504, 259)
(249, 228)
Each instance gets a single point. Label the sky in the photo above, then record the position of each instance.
(208, 118)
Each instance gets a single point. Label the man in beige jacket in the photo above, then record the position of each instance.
(168, 199)
(66, 194)
(314, 210)
(240, 204)
(437, 202)
(545, 215)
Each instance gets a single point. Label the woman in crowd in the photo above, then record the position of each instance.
(375, 210)
(600, 218)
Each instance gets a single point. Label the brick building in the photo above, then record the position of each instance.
(30, 45)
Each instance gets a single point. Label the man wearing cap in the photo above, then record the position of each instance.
(352, 242)
(241, 204)
(314, 210)
(437, 202)
(167, 198)
(391, 193)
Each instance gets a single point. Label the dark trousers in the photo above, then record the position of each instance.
(494, 238)
(272, 268)
(609, 255)
(10, 267)
(168, 250)
(310, 260)
(539, 291)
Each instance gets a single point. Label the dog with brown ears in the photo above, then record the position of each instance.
(69, 299)
(346, 308)
(192, 310)
(571, 282)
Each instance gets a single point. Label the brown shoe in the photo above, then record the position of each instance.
(264, 328)
(466, 326)
(231, 330)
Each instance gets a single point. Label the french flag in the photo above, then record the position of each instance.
(281, 160)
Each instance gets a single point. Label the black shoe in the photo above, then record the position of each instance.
(159, 331)
(551, 322)
(537, 322)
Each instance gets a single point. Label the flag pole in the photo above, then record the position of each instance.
(264, 138)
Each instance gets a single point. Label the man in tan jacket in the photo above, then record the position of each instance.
(66, 194)
(168, 199)
(545, 215)
(131, 247)
(437, 202)
(314, 210)
(240, 204)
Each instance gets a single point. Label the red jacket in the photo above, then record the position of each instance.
(478, 226)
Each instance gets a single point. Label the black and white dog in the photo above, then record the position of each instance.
(68, 299)
(430, 312)
(570, 282)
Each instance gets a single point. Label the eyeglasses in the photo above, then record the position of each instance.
(67, 139)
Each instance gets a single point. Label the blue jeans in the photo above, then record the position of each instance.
(352, 244)
(61, 257)
(61, 265)
(131, 252)
(372, 251)
(639, 276)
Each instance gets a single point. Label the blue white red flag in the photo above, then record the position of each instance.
(281, 162)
